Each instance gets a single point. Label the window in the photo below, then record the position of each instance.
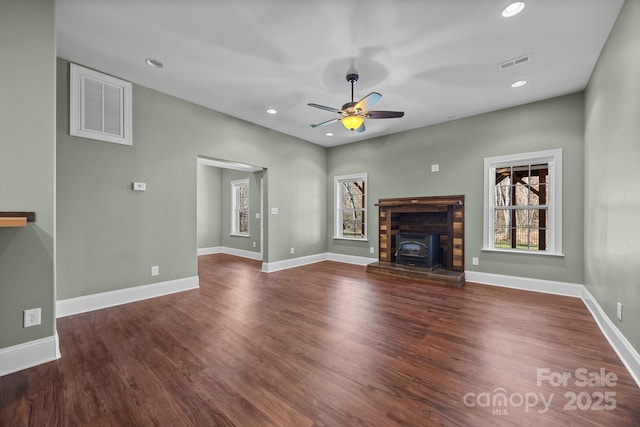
(522, 198)
(351, 206)
(240, 207)
(100, 106)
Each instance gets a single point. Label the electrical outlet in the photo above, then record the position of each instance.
(155, 270)
(619, 311)
(32, 317)
(293, 251)
(372, 250)
(435, 168)
(254, 244)
(475, 260)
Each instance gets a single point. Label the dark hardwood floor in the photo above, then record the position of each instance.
(327, 345)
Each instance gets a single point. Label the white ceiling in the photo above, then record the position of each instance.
(436, 60)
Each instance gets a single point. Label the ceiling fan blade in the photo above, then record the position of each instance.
(324, 107)
(367, 102)
(384, 114)
(328, 122)
(361, 128)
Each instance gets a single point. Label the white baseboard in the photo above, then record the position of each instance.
(525, 283)
(230, 251)
(71, 306)
(270, 267)
(350, 259)
(29, 354)
(625, 351)
(210, 251)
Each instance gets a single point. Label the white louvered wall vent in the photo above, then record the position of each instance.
(515, 61)
(100, 106)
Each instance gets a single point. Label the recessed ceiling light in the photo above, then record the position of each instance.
(272, 111)
(329, 134)
(513, 9)
(519, 83)
(154, 63)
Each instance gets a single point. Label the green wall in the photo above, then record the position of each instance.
(400, 166)
(209, 206)
(110, 236)
(27, 159)
(612, 195)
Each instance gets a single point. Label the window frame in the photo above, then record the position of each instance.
(553, 158)
(235, 217)
(338, 216)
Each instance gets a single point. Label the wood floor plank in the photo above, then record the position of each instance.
(326, 344)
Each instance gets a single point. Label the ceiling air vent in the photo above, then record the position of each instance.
(515, 61)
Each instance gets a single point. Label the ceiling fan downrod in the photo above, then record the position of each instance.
(352, 78)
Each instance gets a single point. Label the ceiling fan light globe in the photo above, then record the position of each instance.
(352, 122)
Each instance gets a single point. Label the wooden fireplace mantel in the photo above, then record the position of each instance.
(16, 219)
(443, 215)
(441, 202)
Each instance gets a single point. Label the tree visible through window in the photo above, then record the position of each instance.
(521, 194)
(240, 207)
(523, 203)
(351, 206)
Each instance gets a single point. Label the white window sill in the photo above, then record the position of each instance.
(240, 235)
(522, 251)
(356, 239)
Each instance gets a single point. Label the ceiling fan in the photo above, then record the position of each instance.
(352, 114)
